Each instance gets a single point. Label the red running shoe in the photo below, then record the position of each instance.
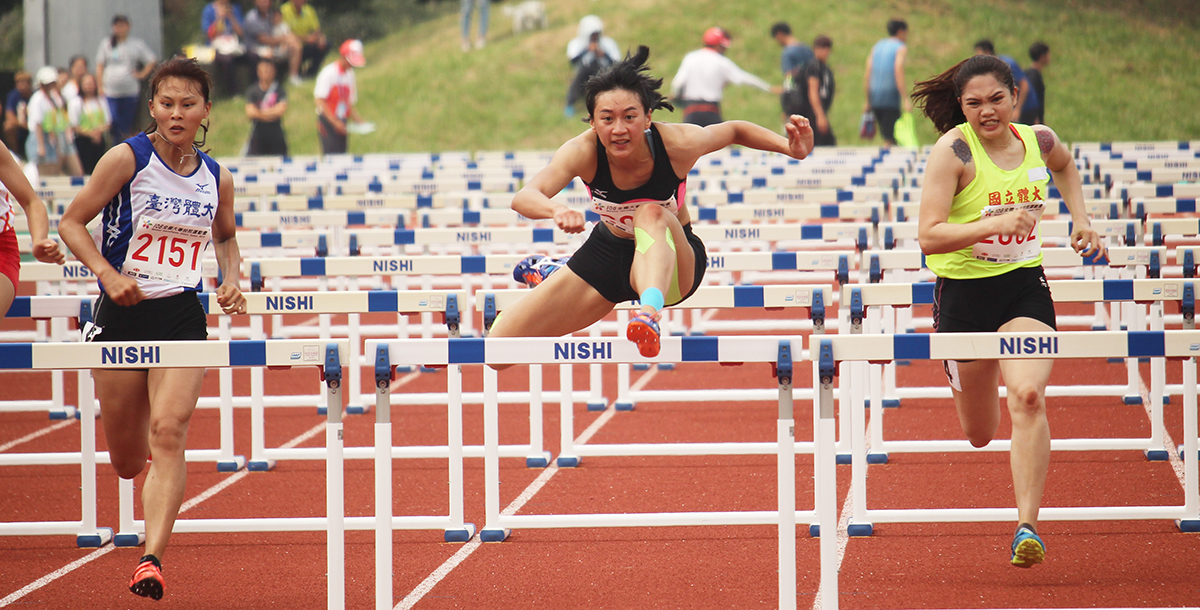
(147, 580)
(643, 330)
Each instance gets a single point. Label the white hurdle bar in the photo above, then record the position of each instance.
(1172, 344)
(811, 297)
(778, 350)
(863, 301)
(55, 309)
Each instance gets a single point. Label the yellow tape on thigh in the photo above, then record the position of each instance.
(642, 240)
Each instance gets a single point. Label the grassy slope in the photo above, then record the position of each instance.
(1121, 71)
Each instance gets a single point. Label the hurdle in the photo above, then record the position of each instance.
(780, 351)
(1181, 345)
(52, 308)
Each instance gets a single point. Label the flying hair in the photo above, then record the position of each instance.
(630, 74)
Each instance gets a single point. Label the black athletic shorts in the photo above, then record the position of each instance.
(605, 260)
(985, 304)
(178, 317)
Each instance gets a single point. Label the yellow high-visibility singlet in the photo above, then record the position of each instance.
(992, 190)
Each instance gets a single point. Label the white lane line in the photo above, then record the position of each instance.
(186, 506)
(463, 553)
(32, 435)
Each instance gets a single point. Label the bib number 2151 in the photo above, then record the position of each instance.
(166, 252)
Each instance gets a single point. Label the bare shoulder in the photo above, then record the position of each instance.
(1046, 138)
(953, 143)
(684, 140)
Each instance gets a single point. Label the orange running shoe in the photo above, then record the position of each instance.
(147, 580)
(643, 330)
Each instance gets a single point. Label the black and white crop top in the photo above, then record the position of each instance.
(616, 206)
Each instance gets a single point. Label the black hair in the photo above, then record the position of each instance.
(781, 28)
(1038, 50)
(938, 97)
(985, 45)
(822, 42)
(186, 68)
(630, 74)
(895, 26)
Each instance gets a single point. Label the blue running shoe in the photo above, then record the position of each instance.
(643, 330)
(533, 270)
(1027, 548)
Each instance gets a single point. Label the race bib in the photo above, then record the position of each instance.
(166, 252)
(1011, 248)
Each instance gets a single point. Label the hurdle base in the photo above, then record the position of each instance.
(641, 366)
(1179, 448)
(1166, 400)
(260, 465)
(237, 463)
(358, 409)
(430, 369)
(493, 534)
(695, 333)
(1188, 526)
(1115, 360)
(624, 405)
(844, 458)
(860, 530)
(63, 413)
(404, 368)
(877, 458)
(1157, 455)
(567, 461)
(125, 540)
(597, 405)
(888, 403)
(1132, 400)
(538, 461)
(666, 366)
(94, 540)
(461, 535)
(903, 362)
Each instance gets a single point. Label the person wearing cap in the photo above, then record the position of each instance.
(589, 53)
(336, 94)
(122, 62)
(703, 75)
(51, 143)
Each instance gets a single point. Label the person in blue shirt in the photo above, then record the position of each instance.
(796, 55)
(1034, 110)
(1025, 94)
(887, 91)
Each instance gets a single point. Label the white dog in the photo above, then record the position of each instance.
(527, 16)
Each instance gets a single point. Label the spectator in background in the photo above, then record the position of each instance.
(795, 56)
(90, 119)
(336, 93)
(1024, 93)
(887, 91)
(76, 68)
(819, 89)
(589, 52)
(700, 82)
(1034, 110)
(221, 23)
(266, 41)
(16, 118)
(51, 143)
(483, 7)
(302, 20)
(121, 64)
(266, 103)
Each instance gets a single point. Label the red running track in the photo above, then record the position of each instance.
(1103, 564)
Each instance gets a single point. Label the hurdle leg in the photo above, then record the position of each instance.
(785, 436)
(356, 406)
(258, 452)
(89, 535)
(624, 400)
(595, 401)
(826, 491)
(1191, 472)
(458, 531)
(890, 327)
(127, 532)
(859, 459)
(491, 459)
(538, 457)
(335, 499)
(383, 480)
(227, 461)
(567, 457)
(1158, 393)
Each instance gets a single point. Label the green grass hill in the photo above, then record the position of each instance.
(1121, 69)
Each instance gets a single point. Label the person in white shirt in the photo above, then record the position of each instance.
(700, 82)
(51, 143)
(336, 93)
(76, 68)
(91, 120)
